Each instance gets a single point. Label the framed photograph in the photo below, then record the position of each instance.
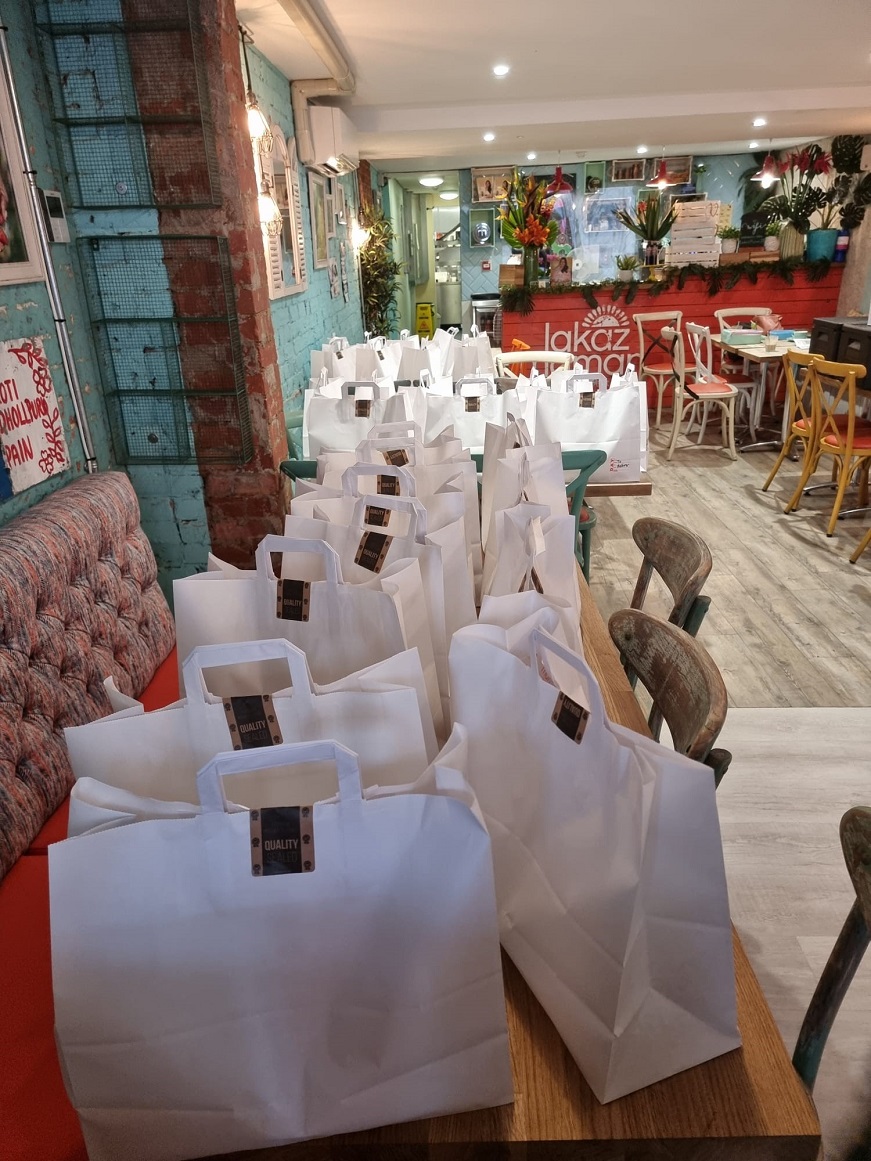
(679, 170)
(317, 204)
(19, 248)
(631, 169)
(490, 185)
(330, 206)
(340, 205)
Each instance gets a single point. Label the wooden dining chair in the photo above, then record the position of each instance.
(799, 409)
(838, 432)
(684, 563)
(701, 349)
(689, 391)
(847, 953)
(862, 545)
(543, 359)
(654, 354)
(683, 681)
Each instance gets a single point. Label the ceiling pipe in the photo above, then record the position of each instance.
(340, 82)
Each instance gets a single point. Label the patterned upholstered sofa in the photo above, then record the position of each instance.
(79, 601)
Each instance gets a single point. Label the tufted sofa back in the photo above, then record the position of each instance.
(79, 601)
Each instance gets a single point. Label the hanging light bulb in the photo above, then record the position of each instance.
(258, 126)
(559, 184)
(359, 235)
(270, 215)
(660, 179)
(768, 174)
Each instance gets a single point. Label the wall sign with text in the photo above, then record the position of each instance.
(31, 429)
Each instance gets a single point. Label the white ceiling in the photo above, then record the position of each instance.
(587, 79)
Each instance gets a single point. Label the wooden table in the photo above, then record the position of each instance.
(745, 1106)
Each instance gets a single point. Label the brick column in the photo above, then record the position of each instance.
(243, 502)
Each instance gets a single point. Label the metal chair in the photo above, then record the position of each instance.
(508, 359)
(799, 408)
(718, 392)
(846, 954)
(654, 355)
(683, 681)
(684, 563)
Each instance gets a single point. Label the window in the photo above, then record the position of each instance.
(285, 252)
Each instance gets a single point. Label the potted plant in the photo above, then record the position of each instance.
(379, 271)
(650, 222)
(560, 262)
(526, 222)
(627, 264)
(771, 241)
(800, 196)
(847, 197)
(729, 237)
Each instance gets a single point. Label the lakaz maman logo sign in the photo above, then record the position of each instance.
(601, 340)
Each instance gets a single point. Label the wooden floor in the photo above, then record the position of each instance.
(790, 619)
(789, 626)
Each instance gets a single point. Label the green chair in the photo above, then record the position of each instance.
(848, 950)
(293, 422)
(584, 463)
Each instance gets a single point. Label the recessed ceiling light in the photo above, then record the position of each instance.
(489, 136)
(641, 149)
(501, 70)
(758, 122)
(531, 156)
(432, 182)
(449, 196)
(753, 145)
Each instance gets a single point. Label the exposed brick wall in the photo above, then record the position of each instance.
(243, 503)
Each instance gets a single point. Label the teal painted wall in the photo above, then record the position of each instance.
(303, 321)
(25, 311)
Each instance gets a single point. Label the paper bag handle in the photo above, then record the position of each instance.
(404, 335)
(406, 428)
(210, 779)
(542, 642)
(351, 476)
(414, 508)
(269, 544)
(475, 381)
(207, 656)
(338, 343)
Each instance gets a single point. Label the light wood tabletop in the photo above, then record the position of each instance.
(747, 1105)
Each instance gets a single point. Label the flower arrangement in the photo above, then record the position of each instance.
(525, 219)
(649, 222)
(801, 194)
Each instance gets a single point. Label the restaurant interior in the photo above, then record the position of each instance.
(470, 407)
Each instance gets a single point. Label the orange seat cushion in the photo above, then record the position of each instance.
(161, 690)
(37, 1121)
(664, 368)
(861, 440)
(715, 387)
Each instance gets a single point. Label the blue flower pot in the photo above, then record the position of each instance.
(821, 244)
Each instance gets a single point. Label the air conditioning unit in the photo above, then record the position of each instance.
(334, 141)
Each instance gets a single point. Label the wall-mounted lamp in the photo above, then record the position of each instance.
(258, 126)
(359, 235)
(270, 215)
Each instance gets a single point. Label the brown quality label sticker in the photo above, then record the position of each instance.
(379, 517)
(387, 485)
(294, 600)
(473, 403)
(587, 399)
(397, 457)
(282, 840)
(373, 550)
(570, 717)
(362, 408)
(252, 721)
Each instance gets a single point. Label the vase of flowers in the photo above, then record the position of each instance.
(801, 196)
(650, 223)
(526, 222)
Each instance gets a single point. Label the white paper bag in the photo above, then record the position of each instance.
(612, 424)
(469, 411)
(609, 867)
(472, 355)
(157, 755)
(341, 423)
(341, 628)
(201, 1008)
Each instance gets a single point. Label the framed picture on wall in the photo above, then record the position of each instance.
(19, 248)
(630, 169)
(317, 201)
(330, 187)
(679, 170)
(490, 185)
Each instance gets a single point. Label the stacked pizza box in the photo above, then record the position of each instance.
(694, 235)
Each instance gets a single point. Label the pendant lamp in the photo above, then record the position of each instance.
(768, 174)
(559, 184)
(258, 126)
(660, 179)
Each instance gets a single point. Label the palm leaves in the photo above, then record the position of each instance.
(649, 222)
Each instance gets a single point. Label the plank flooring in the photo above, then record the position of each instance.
(790, 619)
(790, 628)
